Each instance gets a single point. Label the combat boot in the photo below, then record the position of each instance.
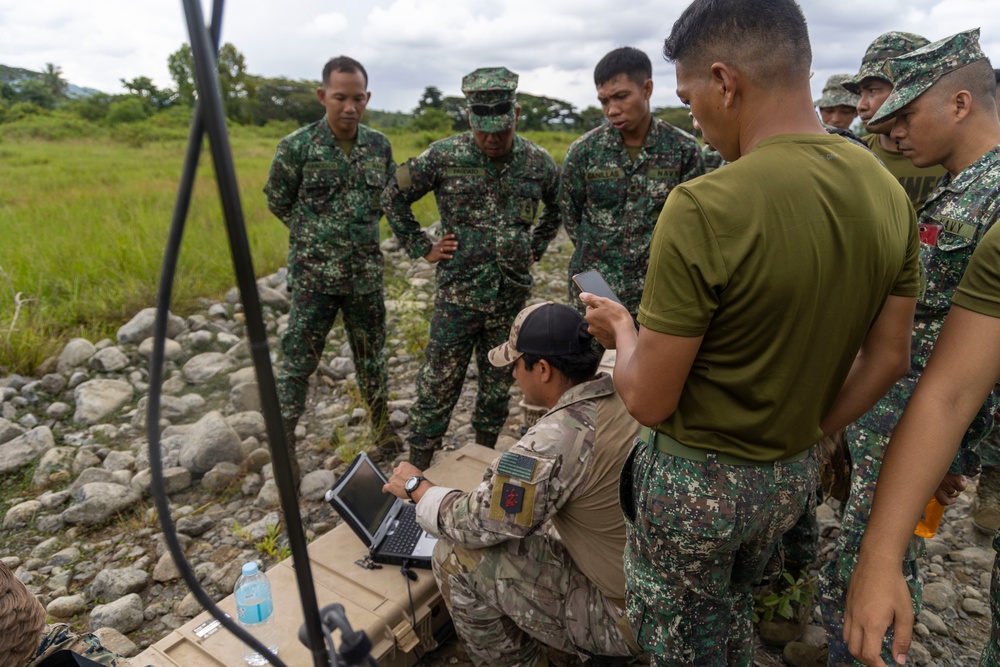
(422, 451)
(487, 439)
(800, 654)
(386, 438)
(986, 508)
(288, 428)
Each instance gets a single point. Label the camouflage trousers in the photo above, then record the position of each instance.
(867, 449)
(309, 322)
(61, 637)
(700, 536)
(509, 600)
(991, 652)
(455, 332)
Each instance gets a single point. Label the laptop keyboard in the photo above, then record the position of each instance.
(406, 534)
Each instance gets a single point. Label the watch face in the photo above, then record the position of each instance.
(412, 484)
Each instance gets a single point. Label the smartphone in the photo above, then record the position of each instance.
(593, 282)
(929, 232)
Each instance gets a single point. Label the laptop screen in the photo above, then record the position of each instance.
(363, 496)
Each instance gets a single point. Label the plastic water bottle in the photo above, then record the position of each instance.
(255, 612)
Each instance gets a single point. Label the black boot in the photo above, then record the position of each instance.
(487, 439)
(422, 451)
(385, 437)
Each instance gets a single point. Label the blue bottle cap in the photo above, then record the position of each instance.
(249, 569)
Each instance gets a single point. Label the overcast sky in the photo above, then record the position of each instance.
(407, 45)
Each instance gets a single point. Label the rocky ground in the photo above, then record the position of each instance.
(79, 528)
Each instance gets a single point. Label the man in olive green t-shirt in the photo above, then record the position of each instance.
(873, 87)
(754, 340)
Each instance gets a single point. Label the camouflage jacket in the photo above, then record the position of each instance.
(565, 471)
(60, 637)
(610, 204)
(490, 212)
(330, 203)
(958, 212)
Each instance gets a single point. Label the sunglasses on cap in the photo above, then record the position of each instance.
(495, 109)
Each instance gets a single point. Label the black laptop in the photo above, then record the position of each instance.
(386, 524)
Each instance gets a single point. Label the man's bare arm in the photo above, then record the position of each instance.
(650, 367)
(961, 372)
(884, 357)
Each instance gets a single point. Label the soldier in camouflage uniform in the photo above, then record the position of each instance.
(726, 364)
(488, 183)
(953, 220)
(617, 176)
(60, 637)
(838, 106)
(532, 558)
(325, 183)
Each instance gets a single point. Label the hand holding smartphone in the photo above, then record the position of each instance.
(592, 281)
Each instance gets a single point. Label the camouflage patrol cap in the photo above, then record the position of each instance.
(834, 94)
(912, 74)
(545, 329)
(490, 94)
(885, 46)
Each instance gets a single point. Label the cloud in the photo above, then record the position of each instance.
(407, 45)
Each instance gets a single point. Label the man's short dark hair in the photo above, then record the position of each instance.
(577, 367)
(767, 39)
(979, 78)
(345, 65)
(626, 60)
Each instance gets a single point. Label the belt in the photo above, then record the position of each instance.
(668, 445)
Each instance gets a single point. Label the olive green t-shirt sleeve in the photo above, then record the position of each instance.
(908, 282)
(979, 290)
(686, 271)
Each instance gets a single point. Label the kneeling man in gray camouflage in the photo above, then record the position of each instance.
(532, 558)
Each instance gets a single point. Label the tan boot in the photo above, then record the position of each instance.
(800, 654)
(986, 508)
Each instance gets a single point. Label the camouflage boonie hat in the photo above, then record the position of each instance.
(545, 329)
(490, 94)
(912, 74)
(885, 46)
(834, 94)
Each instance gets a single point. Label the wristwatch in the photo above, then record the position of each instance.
(412, 484)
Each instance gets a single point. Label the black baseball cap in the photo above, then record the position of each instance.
(545, 330)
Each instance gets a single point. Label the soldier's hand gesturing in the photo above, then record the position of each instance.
(443, 249)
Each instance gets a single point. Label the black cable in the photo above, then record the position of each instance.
(410, 577)
(209, 118)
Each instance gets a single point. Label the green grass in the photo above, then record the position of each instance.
(85, 212)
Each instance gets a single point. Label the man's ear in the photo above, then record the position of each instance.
(960, 105)
(726, 80)
(647, 89)
(321, 95)
(544, 370)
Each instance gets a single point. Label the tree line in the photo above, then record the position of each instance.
(249, 99)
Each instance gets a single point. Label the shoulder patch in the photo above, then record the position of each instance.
(403, 177)
(517, 466)
(512, 498)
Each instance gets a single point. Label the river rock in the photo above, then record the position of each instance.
(940, 595)
(172, 350)
(25, 448)
(210, 442)
(109, 360)
(96, 400)
(124, 614)
(205, 366)
(115, 641)
(247, 424)
(76, 353)
(113, 584)
(9, 430)
(66, 606)
(98, 502)
(54, 461)
(21, 515)
(140, 327)
(315, 484)
(245, 397)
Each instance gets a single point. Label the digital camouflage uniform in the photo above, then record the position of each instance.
(835, 95)
(330, 203)
(491, 211)
(508, 579)
(957, 214)
(685, 512)
(610, 204)
(712, 159)
(60, 637)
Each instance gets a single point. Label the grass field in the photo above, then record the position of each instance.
(84, 214)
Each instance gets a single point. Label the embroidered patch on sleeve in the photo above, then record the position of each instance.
(512, 498)
(517, 466)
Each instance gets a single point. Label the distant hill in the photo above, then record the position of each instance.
(14, 74)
